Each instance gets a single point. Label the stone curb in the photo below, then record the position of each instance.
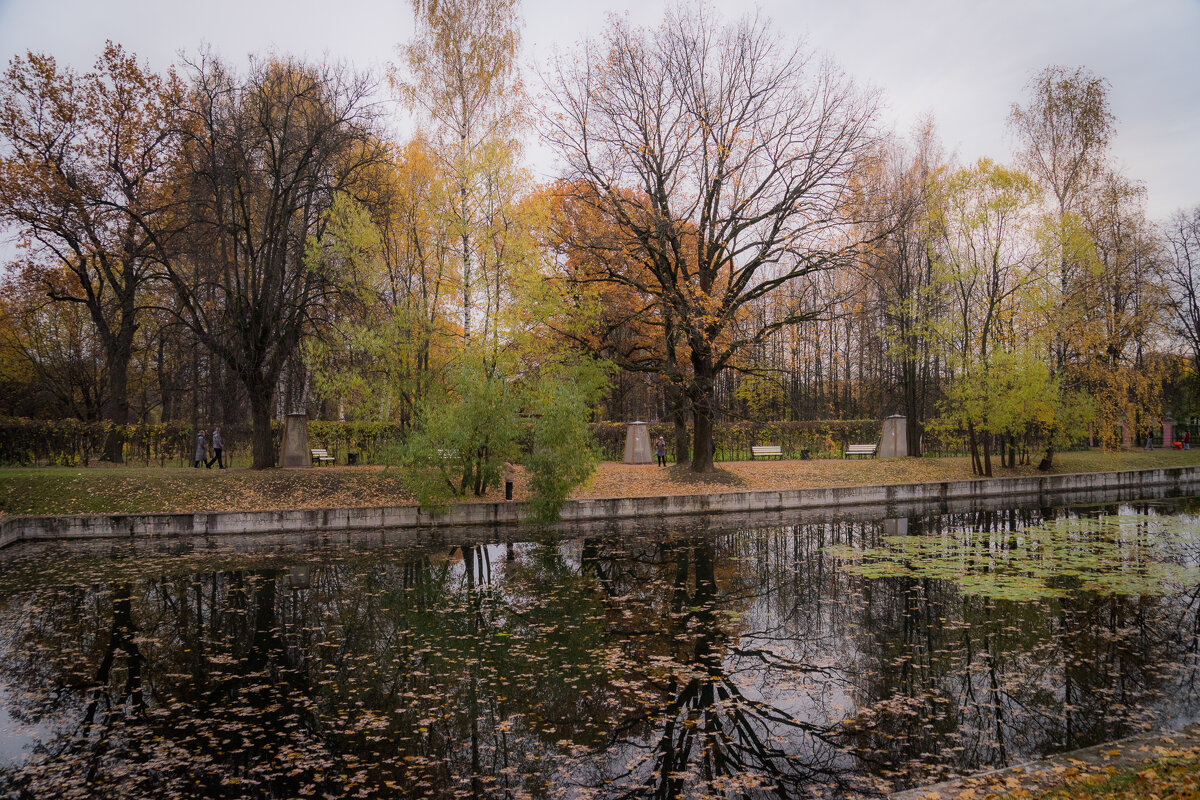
(125, 526)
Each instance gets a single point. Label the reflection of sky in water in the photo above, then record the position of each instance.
(14, 737)
(584, 660)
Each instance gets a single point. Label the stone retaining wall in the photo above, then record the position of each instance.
(1043, 488)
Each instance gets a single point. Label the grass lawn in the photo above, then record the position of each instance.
(119, 489)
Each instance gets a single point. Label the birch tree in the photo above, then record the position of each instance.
(1063, 133)
(462, 76)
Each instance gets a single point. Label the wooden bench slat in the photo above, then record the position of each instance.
(766, 451)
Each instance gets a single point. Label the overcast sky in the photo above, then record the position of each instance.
(964, 61)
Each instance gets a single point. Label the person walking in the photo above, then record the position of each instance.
(1187, 440)
(217, 446)
(201, 450)
(510, 474)
(660, 450)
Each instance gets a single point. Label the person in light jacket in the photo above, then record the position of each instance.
(201, 450)
(217, 446)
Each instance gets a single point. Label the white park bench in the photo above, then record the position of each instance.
(321, 456)
(765, 451)
(861, 449)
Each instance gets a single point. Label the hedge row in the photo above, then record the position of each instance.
(71, 442)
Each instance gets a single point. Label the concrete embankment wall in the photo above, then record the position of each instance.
(936, 496)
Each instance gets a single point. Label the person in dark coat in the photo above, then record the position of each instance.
(660, 451)
(217, 445)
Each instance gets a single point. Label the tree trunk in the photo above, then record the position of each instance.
(232, 411)
(260, 432)
(976, 464)
(912, 411)
(679, 405)
(466, 270)
(1048, 460)
(116, 408)
(702, 396)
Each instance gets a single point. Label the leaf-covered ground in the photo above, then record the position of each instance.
(1175, 775)
(108, 489)
(1143, 768)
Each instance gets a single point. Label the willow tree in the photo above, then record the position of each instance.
(722, 155)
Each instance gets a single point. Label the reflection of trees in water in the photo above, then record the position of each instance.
(951, 682)
(698, 731)
(118, 730)
(685, 664)
(417, 674)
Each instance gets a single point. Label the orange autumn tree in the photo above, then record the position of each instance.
(721, 132)
(85, 161)
(621, 322)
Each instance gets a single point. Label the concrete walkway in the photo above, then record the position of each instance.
(1047, 773)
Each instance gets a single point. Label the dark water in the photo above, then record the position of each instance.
(765, 661)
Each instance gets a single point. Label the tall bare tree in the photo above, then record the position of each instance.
(723, 155)
(901, 267)
(264, 156)
(1183, 278)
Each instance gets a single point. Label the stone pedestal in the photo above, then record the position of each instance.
(637, 444)
(1126, 436)
(894, 441)
(294, 451)
(1168, 431)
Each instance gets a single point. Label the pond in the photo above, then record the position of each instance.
(824, 658)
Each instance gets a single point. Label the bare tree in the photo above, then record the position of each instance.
(264, 157)
(723, 156)
(1183, 277)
